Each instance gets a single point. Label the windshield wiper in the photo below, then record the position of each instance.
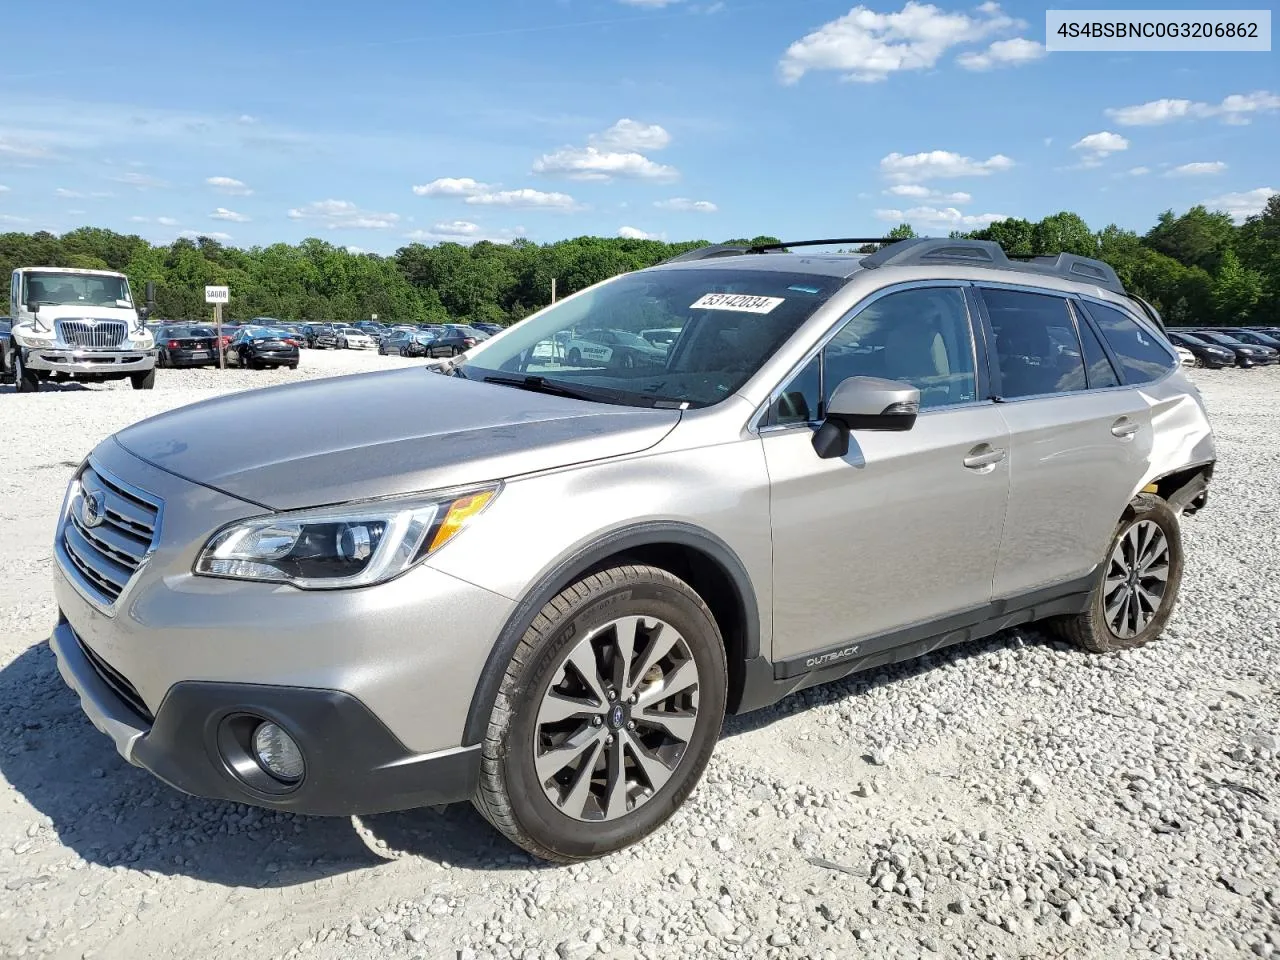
(538, 384)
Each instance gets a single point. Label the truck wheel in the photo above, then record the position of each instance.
(27, 381)
(1138, 589)
(143, 381)
(606, 717)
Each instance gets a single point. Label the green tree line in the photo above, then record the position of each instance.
(1197, 268)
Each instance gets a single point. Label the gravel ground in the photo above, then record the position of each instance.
(1007, 798)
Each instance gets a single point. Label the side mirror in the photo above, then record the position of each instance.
(33, 306)
(865, 403)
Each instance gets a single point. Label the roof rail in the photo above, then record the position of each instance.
(707, 252)
(765, 247)
(988, 253)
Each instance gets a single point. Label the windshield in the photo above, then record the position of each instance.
(67, 289)
(1223, 338)
(725, 323)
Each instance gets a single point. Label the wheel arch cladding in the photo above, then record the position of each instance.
(698, 557)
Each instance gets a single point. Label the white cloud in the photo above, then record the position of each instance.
(10, 218)
(452, 187)
(1096, 147)
(1236, 109)
(3, 188)
(650, 4)
(866, 46)
(631, 135)
(916, 191)
(939, 165)
(222, 213)
(21, 151)
(141, 181)
(946, 218)
(1242, 205)
(167, 221)
(1003, 53)
(246, 118)
(212, 235)
(591, 163)
(67, 194)
(525, 197)
(1139, 171)
(685, 205)
(335, 214)
(1205, 168)
(355, 250)
(635, 233)
(230, 186)
(464, 232)
(139, 219)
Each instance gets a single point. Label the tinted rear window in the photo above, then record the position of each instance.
(1143, 358)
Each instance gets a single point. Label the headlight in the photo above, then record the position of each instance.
(32, 338)
(351, 546)
(142, 338)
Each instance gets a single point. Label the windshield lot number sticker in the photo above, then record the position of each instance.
(741, 302)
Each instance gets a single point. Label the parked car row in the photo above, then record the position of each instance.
(1216, 347)
(250, 346)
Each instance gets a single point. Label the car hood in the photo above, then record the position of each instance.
(381, 434)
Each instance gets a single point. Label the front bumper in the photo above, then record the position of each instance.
(98, 362)
(354, 764)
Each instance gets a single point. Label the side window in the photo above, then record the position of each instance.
(922, 336)
(1141, 355)
(1101, 373)
(1037, 351)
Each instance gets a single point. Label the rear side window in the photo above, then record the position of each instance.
(1142, 357)
(1101, 373)
(1037, 350)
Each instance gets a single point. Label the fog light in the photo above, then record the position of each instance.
(277, 752)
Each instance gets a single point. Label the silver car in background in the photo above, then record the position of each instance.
(543, 589)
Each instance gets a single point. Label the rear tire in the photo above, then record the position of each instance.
(143, 381)
(633, 773)
(1138, 589)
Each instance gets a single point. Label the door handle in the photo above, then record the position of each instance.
(1124, 428)
(983, 456)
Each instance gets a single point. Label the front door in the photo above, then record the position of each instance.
(905, 529)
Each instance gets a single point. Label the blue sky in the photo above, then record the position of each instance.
(374, 125)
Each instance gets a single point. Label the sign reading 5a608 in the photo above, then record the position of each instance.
(217, 294)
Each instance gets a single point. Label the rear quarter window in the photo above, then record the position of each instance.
(1142, 356)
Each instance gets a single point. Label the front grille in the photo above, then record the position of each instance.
(117, 681)
(92, 333)
(104, 557)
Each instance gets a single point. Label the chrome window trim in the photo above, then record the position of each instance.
(754, 424)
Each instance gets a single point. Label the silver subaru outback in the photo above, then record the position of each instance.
(543, 582)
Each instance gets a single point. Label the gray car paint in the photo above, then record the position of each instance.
(891, 535)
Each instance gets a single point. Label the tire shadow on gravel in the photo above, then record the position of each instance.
(117, 815)
(862, 683)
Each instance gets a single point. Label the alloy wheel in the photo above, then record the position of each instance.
(1137, 575)
(617, 718)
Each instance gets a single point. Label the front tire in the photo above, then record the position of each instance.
(143, 381)
(606, 717)
(25, 381)
(1138, 589)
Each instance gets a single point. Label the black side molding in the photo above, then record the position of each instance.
(768, 683)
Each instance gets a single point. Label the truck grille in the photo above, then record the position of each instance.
(102, 558)
(92, 333)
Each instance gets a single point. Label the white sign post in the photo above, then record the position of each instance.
(218, 296)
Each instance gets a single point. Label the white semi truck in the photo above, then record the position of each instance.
(70, 324)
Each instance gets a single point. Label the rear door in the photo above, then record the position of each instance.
(1080, 439)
